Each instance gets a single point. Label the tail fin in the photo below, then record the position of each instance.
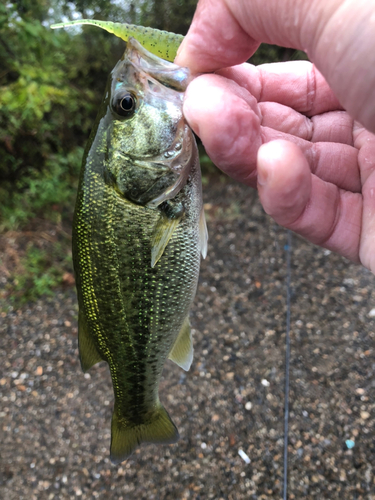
(125, 438)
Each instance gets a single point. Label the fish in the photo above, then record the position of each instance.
(139, 232)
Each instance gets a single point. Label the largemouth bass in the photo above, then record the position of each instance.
(138, 233)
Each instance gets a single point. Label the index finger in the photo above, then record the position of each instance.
(215, 40)
(296, 84)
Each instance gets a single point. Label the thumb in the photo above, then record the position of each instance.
(215, 39)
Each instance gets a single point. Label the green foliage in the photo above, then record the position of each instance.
(35, 281)
(49, 193)
(49, 96)
(169, 15)
(41, 269)
(273, 53)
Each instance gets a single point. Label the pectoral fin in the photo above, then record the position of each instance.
(182, 350)
(163, 233)
(88, 352)
(203, 234)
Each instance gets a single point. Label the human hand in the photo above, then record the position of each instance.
(318, 179)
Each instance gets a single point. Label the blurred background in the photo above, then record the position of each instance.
(54, 420)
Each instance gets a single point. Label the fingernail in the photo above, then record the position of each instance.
(180, 50)
(186, 108)
(262, 170)
(262, 175)
(189, 111)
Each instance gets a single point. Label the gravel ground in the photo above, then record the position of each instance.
(55, 421)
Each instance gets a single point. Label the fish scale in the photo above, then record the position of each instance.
(137, 238)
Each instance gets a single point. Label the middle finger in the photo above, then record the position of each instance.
(333, 126)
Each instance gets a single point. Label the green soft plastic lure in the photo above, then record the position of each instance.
(161, 43)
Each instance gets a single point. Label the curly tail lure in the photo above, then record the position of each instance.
(161, 43)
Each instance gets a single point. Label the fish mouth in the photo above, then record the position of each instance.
(169, 74)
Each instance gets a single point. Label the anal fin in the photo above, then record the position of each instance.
(182, 350)
(88, 352)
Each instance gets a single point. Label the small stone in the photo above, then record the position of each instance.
(265, 382)
(350, 444)
(365, 415)
(248, 405)
(68, 279)
(244, 457)
(232, 440)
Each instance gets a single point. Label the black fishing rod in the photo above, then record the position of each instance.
(288, 248)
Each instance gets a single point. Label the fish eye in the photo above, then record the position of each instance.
(124, 105)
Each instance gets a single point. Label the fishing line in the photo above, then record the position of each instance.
(288, 247)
